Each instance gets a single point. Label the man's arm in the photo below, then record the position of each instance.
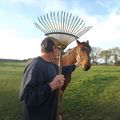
(68, 69)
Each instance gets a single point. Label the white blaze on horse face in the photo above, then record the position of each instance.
(78, 59)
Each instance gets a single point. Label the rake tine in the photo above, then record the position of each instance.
(42, 23)
(65, 23)
(62, 24)
(68, 22)
(82, 31)
(78, 25)
(40, 27)
(48, 22)
(61, 21)
(89, 27)
(52, 22)
(85, 30)
(79, 30)
(45, 24)
(58, 21)
(47, 19)
(72, 24)
(66, 19)
(75, 24)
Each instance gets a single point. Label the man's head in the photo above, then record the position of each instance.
(49, 48)
(48, 45)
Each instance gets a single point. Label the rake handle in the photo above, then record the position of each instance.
(59, 90)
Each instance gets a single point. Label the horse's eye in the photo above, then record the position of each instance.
(82, 49)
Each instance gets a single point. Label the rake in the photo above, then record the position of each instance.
(65, 28)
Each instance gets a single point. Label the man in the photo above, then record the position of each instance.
(39, 88)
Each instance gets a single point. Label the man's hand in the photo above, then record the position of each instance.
(57, 82)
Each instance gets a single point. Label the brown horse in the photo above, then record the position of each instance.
(79, 53)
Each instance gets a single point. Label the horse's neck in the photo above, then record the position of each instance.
(69, 58)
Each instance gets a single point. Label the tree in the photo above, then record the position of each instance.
(95, 54)
(105, 54)
(116, 53)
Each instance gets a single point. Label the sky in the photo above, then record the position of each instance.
(20, 39)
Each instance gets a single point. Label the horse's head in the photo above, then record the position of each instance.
(83, 51)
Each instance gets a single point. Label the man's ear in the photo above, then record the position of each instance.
(78, 42)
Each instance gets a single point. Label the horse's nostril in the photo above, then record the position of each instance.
(89, 67)
(86, 67)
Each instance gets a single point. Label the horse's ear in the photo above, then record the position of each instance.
(87, 42)
(78, 42)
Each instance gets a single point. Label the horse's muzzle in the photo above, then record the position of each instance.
(86, 67)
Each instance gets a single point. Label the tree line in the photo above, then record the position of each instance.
(109, 56)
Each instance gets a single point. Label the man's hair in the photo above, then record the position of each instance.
(47, 44)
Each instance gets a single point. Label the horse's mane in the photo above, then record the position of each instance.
(68, 52)
(87, 46)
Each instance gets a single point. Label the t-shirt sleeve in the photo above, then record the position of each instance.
(68, 69)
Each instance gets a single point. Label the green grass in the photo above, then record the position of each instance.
(10, 79)
(92, 95)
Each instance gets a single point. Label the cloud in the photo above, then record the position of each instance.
(110, 5)
(43, 5)
(14, 46)
(105, 33)
(17, 2)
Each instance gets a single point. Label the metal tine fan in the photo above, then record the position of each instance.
(62, 26)
(65, 28)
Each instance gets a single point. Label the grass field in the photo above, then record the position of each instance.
(92, 95)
